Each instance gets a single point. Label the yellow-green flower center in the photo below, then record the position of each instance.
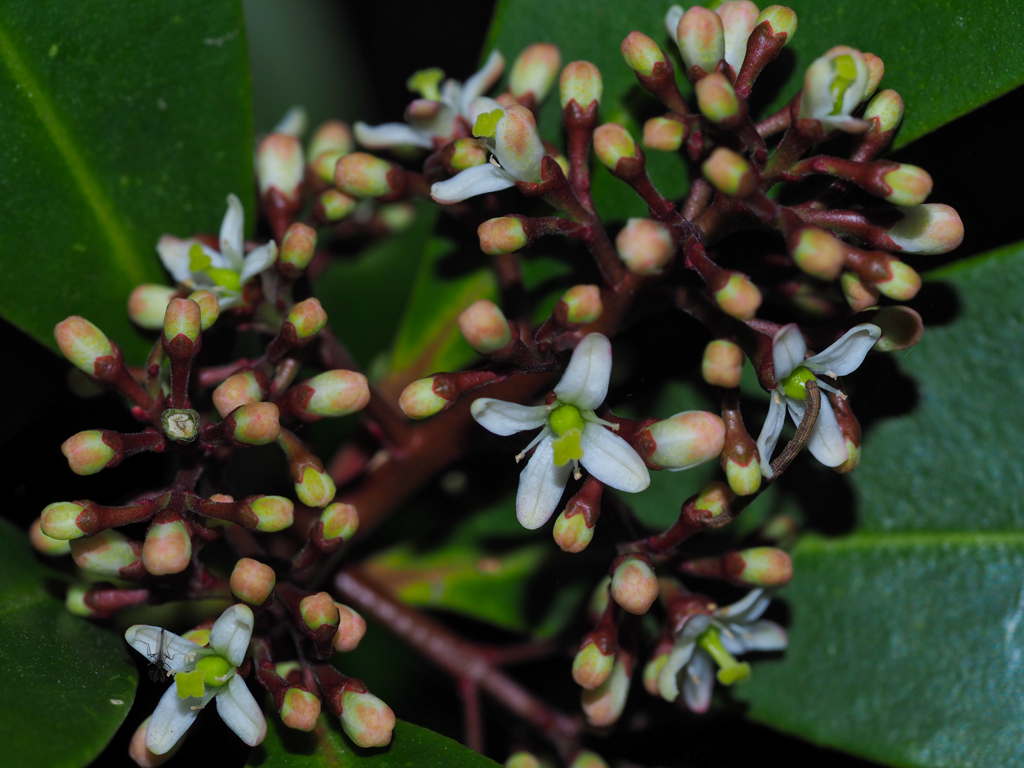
(567, 423)
(425, 82)
(198, 261)
(846, 74)
(211, 671)
(487, 123)
(730, 671)
(795, 385)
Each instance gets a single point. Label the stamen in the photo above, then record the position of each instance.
(593, 418)
(526, 450)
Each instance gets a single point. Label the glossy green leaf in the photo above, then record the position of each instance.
(61, 675)
(108, 146)
(327, 746)
(904, 636)
(945, 59)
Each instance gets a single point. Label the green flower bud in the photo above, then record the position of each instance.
(580, 82)
(634, 585)
(315, 488)
(587, 759)
(418, 400)
(87, 453)
(739, 297)
(887, 106)
(74, 601)
(603, 705)
(106, 553)
(903, 284)
(59, 520)
(147, 305)
(82, 343)
(502, 235)
(308, 317)
(298, 246)
(722, 364)
(300, 710)
(930, 228)
(336, 393)
(612, 143)
(252, 581)
(43, 544)
(714, 498)
(664, 135)
(781, 19)
(167, 548)
(351, 628)
(584, 303)
(336, 205)
(910, 185)
(744, 479)
(701, 39)
(209, 307)
(645, 246)
(318, 610)
(687, 439)
(256, 423)
(341, 521)
(332, 136)
(280, 165)
(485, 327)
(522, 760)
(572, 534)
(366, 720)
(817, 252)
(183, 318)
(237, 390)
(716, 98)
(275, 513)
(761, 566)
(876, 69)
(362, 175)
(641, 53)
(860, 294)
(591, 667)
(729, 173)
(534, 71)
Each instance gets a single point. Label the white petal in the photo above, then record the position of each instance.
(540, 486)
(585, 381)
(155, 643)
(668, 683)
(390, 135)
(788, 350)
(294, 122)
(612, 460)
(478, 180)
(230, 634)
(479, 83)
(258, 259)
(451, 93)
(231, 233)
(675, 13)
(506, 419)
(845, 356)
(844, 124)
(173, 254)
(760, 635)
(698, 682)
(738, 19)
(771, 430)
(172, 717)
(826, 442)
(239, 710)
(745, 610)
(441, 123)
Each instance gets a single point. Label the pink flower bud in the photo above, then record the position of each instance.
(584, 302)
(485, 327)
(318, 610)
(341, 521)
(645, 246)
(817, 252)
(147, 305)
(252, 581)
(517, 144)
(572, 534)
(351, 628)
(903, 284)
(876, 69)
(641, 53)
(634, 585)
(580, 82)
(87, 453)
(502, 235)
(714, 498)
(760, 566)
(362, 175)
(612, 143)
(687, 439)
(729, 173)
(315, 488)
(308, 317)
(722, 364)
(332, 136)
(298, 246)
(591, 667)
(418, 400)
(928, 229)
(887, 107)
(300, 710)
(739, 297)
(534, 71)
(335, 205)
(664, 135)
(183, 318)
(143, 758)
(910, 185)
(716, 98)
(43, 544)
(739, 17)
(335, 393)
(106, 553)
(701, 39)
(859, 293)
(280, 165)
(82, 343)
(209, 307)
(366, 720)
(168, 547)
(256, 423)
(238, 390)
(274, 513)
(603, 705)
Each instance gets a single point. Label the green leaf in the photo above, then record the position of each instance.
(904, 643)
(328, 746)
(945, 59)
(68, 685)
(108, 146)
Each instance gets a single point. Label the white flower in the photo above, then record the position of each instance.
(195, 265)
(826, 442)
(833, 87)
(434, 119)
(511, 135)
(702, 640)
(571, 434)
(205, 673)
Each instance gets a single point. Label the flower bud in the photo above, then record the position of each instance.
(334, 393)
(859, 293)
(87, 453)
(714, 498)
(334, 205)
(782, 20)
(324, 165)
(739, 297)
(74, 601)
(729, 173)
(739, 17)
(887, 106)
(591, 667)
(634, 585)
(300, 710)
(664, 135)
(275, 513)
(315, 488)
(106, 553)
(252, 581)
(147, 305)
(318, 610)
(517, 144)
(59, 520)
(465, 153)
(308, 317)
(587, 759)
(572, 534)
(138, 751)
(876, 69)
(716, 98)
(817, 252)
(612, 143)
(81, 342)
(722, 364)
(366, 720)
(209, 307)
(485, 327)
(743, 479)
(687, 439)
(332, 136)
(534, 71)
(604, 705)
(910, 185)
(901, 328)
(351, 628)
(598, 602)
(502, 235)
(701, 39)
(280, 165)
(362, 175)
(652, 669)
(581, 82)
(341, 521)
(43, 544)
(928, 229)
(645, 246)
(298, 246)
(237, 390)
(256, 423)
(418, 400)
(760, 566)
(584, 303)
(833, 87)
(641, 53)
(904, 283)
(522, 760)
(168, 546)
(183, 318)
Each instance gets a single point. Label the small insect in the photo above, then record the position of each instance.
(158, 660)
